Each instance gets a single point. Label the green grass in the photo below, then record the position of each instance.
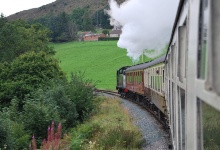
(111, 128)
(99, 60)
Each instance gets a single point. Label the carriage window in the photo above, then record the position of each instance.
(181, 52)
(174, 110)
(214, 52)
(173, 61)
(203, 36)
(181, 114)
(210, 126)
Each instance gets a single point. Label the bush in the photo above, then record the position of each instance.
(36, 117)
(13, 135)
(25, 74)
(81, 94)
(82, 134)
(119, 138)
(58, 96)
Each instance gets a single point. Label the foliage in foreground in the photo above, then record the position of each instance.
(54, 140)
(58, 102)
(110, 129)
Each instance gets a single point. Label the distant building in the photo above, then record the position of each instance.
(93, 37)
(115, 33)
(86, 32)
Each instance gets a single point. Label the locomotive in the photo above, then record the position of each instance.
(182, 87)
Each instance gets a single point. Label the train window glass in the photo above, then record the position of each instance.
(210, 126)
(182, 114)
(170, 68)
(133, 80)
(214, 44)
(129, 78)
(138, 78)
(199, 125)
(203, 36)
(134, 77)
(171, 63)
(181, 52)
(173, 60)
(151, 81)
(163, 76)
(174, 111)
(170, 102)
(141, 78)
(153, 78)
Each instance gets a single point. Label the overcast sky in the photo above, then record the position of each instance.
(9, 7)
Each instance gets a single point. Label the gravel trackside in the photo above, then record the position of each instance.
(155, 137)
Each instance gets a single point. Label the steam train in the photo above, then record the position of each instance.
(183, 86)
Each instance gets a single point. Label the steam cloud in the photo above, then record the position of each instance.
(146, 24)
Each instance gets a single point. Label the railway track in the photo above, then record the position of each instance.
(153, 130)
(107, 92)
(139, 103)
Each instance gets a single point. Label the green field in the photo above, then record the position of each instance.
(99, 60)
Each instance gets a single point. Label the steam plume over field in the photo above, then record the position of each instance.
(146, 24)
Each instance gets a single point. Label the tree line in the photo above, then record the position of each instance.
(64, 27)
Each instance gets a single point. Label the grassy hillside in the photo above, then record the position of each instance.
(99, 60)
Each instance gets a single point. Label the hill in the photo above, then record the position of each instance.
(99, 60)
(60, 6)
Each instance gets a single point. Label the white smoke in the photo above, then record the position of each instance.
(146, 24)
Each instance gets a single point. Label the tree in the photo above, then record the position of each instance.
(76, 17)
(26, 73)
(72, 28)
(87, 22)
(19, 37)
(102, 19)
(105, 32)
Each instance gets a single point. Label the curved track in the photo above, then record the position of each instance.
(152, 129)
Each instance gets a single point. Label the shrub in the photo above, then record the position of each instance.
(82, 134)
(81, 94)
(119, 138)
(66, 108)
(27, 73)
(36, 117)
(13, 135)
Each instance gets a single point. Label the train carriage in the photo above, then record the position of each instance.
(192, 79)
(184, 85)
(145, 83)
